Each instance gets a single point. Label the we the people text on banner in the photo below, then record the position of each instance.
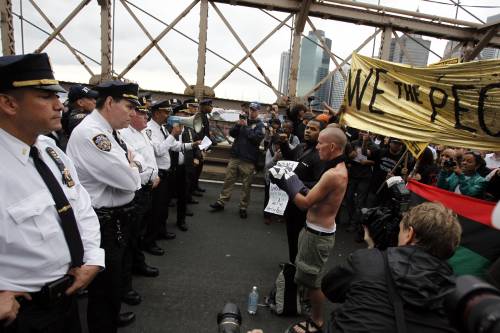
(456, 105)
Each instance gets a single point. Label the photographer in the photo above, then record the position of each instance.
(415, 271)
(463, 179)
(425, 170)
(247, 134)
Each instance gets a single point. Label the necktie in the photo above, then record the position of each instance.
(163, 132)
(64, 209)
(121, 143)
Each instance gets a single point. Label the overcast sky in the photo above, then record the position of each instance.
(152, 72)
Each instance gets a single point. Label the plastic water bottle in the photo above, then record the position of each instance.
(253, 300)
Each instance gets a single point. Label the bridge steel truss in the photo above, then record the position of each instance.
(472, 37)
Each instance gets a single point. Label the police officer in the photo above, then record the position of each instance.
(81, 102)
(193, 158)
(183, 169)
(108, 171)
(162, 142)
(138, 141)
(49, 235)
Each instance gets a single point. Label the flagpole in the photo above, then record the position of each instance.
(397, 164)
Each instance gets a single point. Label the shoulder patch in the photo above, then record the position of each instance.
(149, 133)
(79, 116)
(102, 142)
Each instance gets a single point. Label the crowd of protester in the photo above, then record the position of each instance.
(371, 159)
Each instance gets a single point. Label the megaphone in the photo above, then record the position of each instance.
(195, 122)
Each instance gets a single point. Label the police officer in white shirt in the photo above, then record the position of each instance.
(137, 140)
(163, 143)
(49, 235)
(107, 170)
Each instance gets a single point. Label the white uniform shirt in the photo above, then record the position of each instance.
(33, 250)
(105, 173)
(181, 155)
(162, 145)
(141, 145)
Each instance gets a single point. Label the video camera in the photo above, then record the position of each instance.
(449, 164)
(399, 194)
(474, 306)
(229, 319)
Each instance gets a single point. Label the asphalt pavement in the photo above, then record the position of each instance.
(218, 260)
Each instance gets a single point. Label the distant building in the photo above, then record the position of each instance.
(414, 50)
(314, 65)
(284, 72)
(448, 50)
(337, 88)
(489, 52)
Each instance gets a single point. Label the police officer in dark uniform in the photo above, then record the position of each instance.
(182, 168)
(81, 102)
(194, 158)
(205, 110)
(108, 171)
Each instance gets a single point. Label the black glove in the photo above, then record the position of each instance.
(287, 181)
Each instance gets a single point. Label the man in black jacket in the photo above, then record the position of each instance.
(81, 102)
(429, 234)
(247, 134)
(309, 171)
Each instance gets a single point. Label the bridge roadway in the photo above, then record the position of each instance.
(218, 260)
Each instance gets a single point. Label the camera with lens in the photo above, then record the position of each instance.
(278, 136)
(474, 306)
(229, 319)
(449, 164)
(399, 194)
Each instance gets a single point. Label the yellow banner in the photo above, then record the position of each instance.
(455, 105)
(415, 148)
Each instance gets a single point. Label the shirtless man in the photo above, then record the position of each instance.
(317, 238)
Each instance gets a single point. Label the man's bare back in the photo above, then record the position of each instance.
(333, 184)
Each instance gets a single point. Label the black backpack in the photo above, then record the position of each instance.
(285, 298)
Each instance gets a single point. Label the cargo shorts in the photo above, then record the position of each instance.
(312, 255)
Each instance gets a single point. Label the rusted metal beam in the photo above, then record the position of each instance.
(202, 49)
(302, 15)
(294, 66)
(7, 28)
(62, 25)
(106, 40)
(252, 51)
(482, 43)
(243, 46)
(160, 50)
(356, 12)
(157, 39)
(385, 44)
(61, 37)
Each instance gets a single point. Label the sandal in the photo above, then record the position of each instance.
(308, 326)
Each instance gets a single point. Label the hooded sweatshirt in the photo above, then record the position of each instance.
(421, 280)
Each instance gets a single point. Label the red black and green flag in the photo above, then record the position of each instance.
(480, 244)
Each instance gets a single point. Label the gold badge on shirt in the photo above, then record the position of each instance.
(67, 179)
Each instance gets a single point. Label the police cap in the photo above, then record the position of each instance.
(165, 104)
(28, 71)
(118, 89)
(79, 91)
(206, 102)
